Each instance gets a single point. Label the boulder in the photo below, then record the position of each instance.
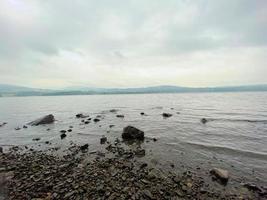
(96, 120)
(165, 115)
(120, 116)
(48, 119)
(221, 174)
(131, 132)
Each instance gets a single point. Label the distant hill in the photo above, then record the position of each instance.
(12, 90)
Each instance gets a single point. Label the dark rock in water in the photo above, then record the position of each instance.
(86, 122)
(63, 131)
(36, 139)
(63, 135)
(120, 116)
(221, 174)
(80, 115)
(204, 120)
(48, 129)
(48, 119)
(165, 115)
(25, 126)
(69, 130)
(103, 140)
(113, 110)
(17, 128)
(131, 132)
(1, 149)
(70, 126)
(46, 142)
(155, 139)
(96, 120)
(84, 147)
(142, 113)
(110, 126)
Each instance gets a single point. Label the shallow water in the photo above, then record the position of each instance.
(234, 137)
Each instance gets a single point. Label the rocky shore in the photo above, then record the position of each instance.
(114, 172)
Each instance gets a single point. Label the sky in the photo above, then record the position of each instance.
(134, 43)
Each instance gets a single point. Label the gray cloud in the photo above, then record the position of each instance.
(58, 43)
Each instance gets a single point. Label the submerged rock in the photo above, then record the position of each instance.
(120, 116)
(131, 132)
(221, 174)
(1, 149)
(25, 126)
(166, 115)
(48, 119)
(36, 139)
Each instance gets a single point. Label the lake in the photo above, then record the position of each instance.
(235, 136)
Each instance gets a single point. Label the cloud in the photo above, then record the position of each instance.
(132, 43)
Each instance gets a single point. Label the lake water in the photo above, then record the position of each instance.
(235, 136)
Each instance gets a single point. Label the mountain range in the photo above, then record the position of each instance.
(14, 90)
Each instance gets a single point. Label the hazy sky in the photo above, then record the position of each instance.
(132, 43)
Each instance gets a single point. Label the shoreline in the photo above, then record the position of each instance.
(116, 172)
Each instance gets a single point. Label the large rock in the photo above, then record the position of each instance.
(221, 174)
(131, 132)
(48, 119)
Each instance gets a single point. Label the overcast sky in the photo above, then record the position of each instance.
(132, 43)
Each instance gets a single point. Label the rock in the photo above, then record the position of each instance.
(204, 120)
(113, 110)
(96, 120)
(140, 152)
(120, 116)
(155, 139)
(25, 126)
(17, 128)
(131, 132)
(142, 113)
(166, 115)
(148, 194)
(86, 122)
(80, 115)
(84, 147)
(69, 130)
(221, 174)
(1, 149)
(36, 139)
(63, 135)
(63, 131)
(103, 140)
(110, 126)
(48, 119)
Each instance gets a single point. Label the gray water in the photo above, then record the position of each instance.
(235, 136)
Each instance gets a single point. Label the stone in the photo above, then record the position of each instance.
(36, 139)
(103, 140)
(220, 174)
(25, 126)
(70, 130)
(63, 131)
(1, 149)
(48, 119)
(131, 132)
(120, 116)
(204, 120)
(80, 115)
(63, 135)
(113, 110)
(166, 115)
(142, 113)
(84, 147)
(96, 120)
